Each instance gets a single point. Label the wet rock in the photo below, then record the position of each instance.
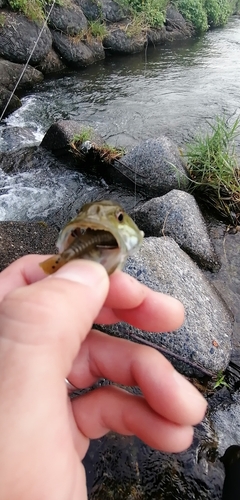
(14, 138)
(92, 9)
(157, 36)
(119, 41)
(10, 73)
(96, 46)
(156, 166)
(22, 238)
(14, 103)
(52, 63)
(18, 36)
(176, 24)
(61, 134)
(112, 11)
(122, 467)
(204, 340)
(68, 19)
(177, 214)
(74, 51)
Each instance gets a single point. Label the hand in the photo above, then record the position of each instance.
(45, 337)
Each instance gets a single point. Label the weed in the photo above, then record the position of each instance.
(220, 382)
(97, 29)
(213, 167)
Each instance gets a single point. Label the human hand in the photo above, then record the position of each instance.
(45, 337)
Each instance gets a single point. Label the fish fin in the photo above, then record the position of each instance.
(52, 264)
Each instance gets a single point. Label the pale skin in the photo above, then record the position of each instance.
(45, 337)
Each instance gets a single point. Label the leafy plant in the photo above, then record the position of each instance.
(218, 12)
(220, 382)
(213, 167)
(194, 12)
(2, 20)
(97, 29)
(85, 135)
(150, 13)
(33, 9)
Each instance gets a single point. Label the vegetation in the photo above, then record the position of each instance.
(2, 20)
(206, 13)
(220, 382)
(147, 13)
(33, 9)
(97, 29)
(86, 134)
(214, 170)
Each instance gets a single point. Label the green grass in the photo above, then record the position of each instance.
(214, 169)
(85, 135)
(97, 29)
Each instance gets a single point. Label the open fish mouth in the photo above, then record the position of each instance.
(88, 238)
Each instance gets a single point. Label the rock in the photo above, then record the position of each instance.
(123, 467)
(52, 63)
(119, 41)
(69, 19)
(14, 103)
(205, 337)
(176, 23)
(177, 214)
(10, 73)
(112, 11)
(157, 36)
(21, 238)
(61, 134)
(18, 48)
(156, 166)
(96, 46)
(92, 9)
(74, 51)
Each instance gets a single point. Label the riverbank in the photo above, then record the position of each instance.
(72, 37)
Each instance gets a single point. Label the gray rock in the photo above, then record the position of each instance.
(157, 166)
(5, 96)
(10, 73)
(119, 41)
(52, 63)
(69, 19)
(61, 134)
(22, 238)
(18, 36)
(176, 23)
(177, 214)
(92, 9)
(157, 36)
(205, 337)
(74, 51)
(112, 11)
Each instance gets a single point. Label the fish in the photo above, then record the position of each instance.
(102, 232)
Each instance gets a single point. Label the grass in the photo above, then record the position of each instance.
(85, 135)
(97, 29)
(214, 169)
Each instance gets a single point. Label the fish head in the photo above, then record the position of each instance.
(107, 216)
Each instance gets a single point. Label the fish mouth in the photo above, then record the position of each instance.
(98, 237)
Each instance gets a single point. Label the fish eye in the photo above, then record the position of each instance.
(119, 216)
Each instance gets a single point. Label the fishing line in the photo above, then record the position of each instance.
(29, 57)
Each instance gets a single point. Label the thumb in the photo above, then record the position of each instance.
(42, 325)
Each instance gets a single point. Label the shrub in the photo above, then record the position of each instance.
(218, 12)
(194, 12)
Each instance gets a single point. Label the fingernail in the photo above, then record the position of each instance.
(84, 272)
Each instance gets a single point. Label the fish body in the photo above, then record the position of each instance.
(101, 232)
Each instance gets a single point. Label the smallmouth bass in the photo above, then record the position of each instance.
(101, 232)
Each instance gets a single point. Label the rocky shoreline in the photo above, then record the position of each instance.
(68, 42)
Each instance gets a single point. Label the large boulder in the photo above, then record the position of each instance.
(155, 166)
(203, 343)
(118, 40)
(112, 12)
(18, 37)
(52, 63)
(68, 19)
(177, 214)
(6, 97)
(92, 9)
(74, 51)
(22, 238)
(10, 73)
